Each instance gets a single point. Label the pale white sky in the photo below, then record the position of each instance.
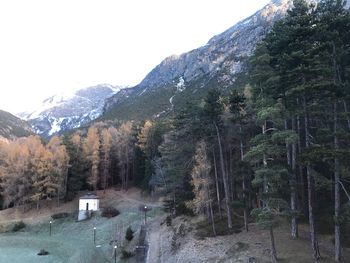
(52, 46)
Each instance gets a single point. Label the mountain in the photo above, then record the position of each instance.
(64, 112)
(188, 77)
(12, 127)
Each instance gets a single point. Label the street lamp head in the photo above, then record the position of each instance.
(145, 206)
(115, 247)
(94, 228)
(50, 222)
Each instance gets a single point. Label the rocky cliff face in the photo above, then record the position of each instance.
(223, 52)
(187, 77)
(64, 112)
(12, 127)
(220, 60)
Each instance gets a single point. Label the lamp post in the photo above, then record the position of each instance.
(115, 254)
(50, 227)
(144, 209)
(94, 235)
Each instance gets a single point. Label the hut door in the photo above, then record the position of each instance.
(87, 206)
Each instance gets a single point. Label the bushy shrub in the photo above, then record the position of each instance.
(127, 254)
(110, 212)
(59, 215)
(129, 235)
(18, 226)
(174, 244)
(168, 220)
(43, 252)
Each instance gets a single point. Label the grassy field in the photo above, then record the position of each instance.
(72, 241)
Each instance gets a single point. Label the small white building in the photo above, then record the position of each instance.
(89, 202)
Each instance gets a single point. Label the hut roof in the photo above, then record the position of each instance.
(89, 196)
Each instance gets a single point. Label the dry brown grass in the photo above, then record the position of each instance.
(31, 215)
(237, 247)
(110, 197)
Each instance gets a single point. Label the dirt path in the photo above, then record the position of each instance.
(138, 200)
(154, 243)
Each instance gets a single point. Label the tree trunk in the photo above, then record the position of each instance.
(264, 127)
(273, 247)
(346, 112)
(294, 195)
(212, 218)
(224, 177)
(337, 244)
(245, 212)
(105, 173)
(217, 184)
(58, 198)
(310, 188)
(292, 182)
(301, 173)
(163, 177)
(232, 186)
(122, 173)
(174, 204)
(337, 80)
(127, 168)
(65, 187)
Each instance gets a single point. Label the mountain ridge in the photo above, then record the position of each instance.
(217, 62)
(66, 111)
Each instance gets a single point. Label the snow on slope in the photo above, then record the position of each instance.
(66, 111)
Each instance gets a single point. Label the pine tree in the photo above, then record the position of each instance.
(202, 184)
(237, 108)
(78, 169)
(213, 109)
(333, 25)
(91, 151)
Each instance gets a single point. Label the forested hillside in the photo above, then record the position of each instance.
(270, 148)
(12, 127)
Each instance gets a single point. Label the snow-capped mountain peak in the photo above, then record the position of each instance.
(69, 110)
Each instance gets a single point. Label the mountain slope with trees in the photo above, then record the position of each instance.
(12, 127)
(272, 147)
(67, 111)
(179, 79)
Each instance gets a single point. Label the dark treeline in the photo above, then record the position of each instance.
(275, 147)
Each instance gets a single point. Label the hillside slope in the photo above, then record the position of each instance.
(187, 78)
(71, 241)
(12, 127)
(179, 79)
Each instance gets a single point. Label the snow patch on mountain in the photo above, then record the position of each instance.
(56, 126)
(66, 111)
(181, 85)
(143, 92)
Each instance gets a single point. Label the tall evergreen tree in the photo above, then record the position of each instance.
(213, 109)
